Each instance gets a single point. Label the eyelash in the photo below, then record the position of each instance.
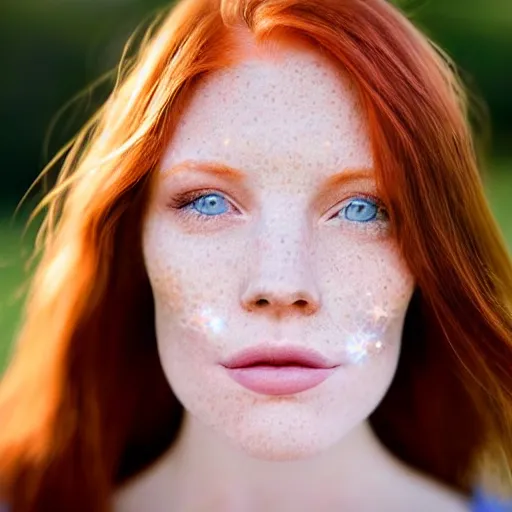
(181, 201)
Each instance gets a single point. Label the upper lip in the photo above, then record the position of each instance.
(278, 356)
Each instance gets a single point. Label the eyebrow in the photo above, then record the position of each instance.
(210, 167)
(349, 174)
(223, 170)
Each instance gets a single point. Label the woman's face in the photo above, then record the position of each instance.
(265, 231)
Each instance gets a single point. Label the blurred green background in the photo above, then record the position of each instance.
(50, 50)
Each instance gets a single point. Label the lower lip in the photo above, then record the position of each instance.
(279, 380)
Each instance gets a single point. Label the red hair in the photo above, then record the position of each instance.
(76, 415)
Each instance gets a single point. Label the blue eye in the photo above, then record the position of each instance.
(360, 210)
(210, 204)
(213, 204)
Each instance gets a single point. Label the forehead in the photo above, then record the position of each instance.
(293, 109)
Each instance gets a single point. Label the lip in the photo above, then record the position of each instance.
(278, 370)
(278, 356)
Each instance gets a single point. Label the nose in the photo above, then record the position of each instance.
(281, 280)
(280, 303)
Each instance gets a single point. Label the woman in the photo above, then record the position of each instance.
(270, 281)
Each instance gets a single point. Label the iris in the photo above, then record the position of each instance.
(210, 204)
(360, 210)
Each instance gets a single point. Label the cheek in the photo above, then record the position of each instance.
(367, 291)
(193, 286)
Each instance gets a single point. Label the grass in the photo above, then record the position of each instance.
(14, 252)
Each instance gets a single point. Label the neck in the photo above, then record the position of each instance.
(205, 472)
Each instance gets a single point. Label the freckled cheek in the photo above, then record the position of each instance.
(384, 288)
(178, 264)
(368, 268)
(193, 286)
(368, 288)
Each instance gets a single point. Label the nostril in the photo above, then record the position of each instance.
(289, 301)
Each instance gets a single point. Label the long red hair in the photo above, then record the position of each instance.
(84, 404)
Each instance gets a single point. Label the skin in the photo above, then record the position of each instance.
(283, 261)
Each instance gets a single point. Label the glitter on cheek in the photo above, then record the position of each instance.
(361, 346)
(206, 321)
(369, 338)
(379, 318)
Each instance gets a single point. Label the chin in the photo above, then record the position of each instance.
(282, 441)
